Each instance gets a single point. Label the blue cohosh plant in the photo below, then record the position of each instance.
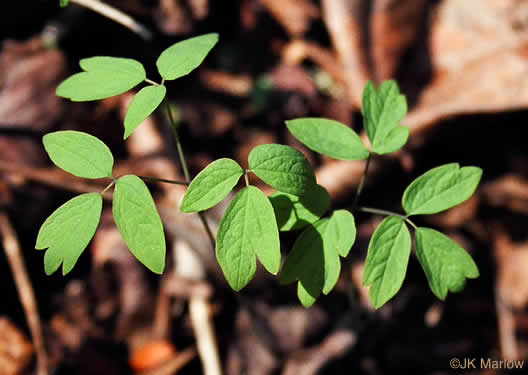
(251, 224)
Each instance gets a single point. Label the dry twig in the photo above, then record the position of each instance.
(116, 15)
(25, 290)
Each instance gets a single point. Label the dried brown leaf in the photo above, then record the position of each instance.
(479, 58)
(394, 27)
(294, 15)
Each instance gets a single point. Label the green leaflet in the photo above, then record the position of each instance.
(314, 261)
(440, 189)
(79, 153)
(248, 228)
(307, 300)
(293, 212)
(328, 137)
(383, 109)
(139, 223)
(211, 185)
(68, 230)
(445, 263)
(144, 103)
(103, 77)
(342, 227)
(387, 259)
(182, 58)
(282, 167)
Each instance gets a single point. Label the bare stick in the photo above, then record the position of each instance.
(25, 290)
(115, 15)
(52, 178)
(205, 338)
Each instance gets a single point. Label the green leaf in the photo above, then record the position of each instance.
(307, 300)
(248, 229)
(328, 137)
(182, 58)
(64, 3)
(139, 223)
(293, 212)
(142, 106)
(68, 230)
(383, 109)
(396, 139)
(79, 153)
(314, 261)
(342, 227)
(211, 185)
(282, 167)
(387, 259)
(445, 263)
(440, 189)
(103, 77)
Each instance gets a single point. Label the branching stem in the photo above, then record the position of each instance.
(183, 162)
(361, 183)
(378, 211)
(157, 179)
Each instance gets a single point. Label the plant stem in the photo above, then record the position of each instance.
(361, 183)
(185, 169)
(108, 187)
(151, 82)
(179, 147)
(150, 178)
(246, 178)
(378, 211)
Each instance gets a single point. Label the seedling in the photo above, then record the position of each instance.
(250, 227)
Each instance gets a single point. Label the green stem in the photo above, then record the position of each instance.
(150, 178)
(151, 82)
(185, 169)
(361, 183)
(179, 147)
(246, 177)
(378, 211)
(108, 187)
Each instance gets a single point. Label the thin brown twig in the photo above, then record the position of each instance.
(25, 290)
(52, 177)
(116, 15)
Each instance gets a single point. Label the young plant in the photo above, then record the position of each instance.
(250, 227)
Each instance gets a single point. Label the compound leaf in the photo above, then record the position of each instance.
(342, 227)
(387, 259)
(282, 167)
(445, 263)
(68, 230)
(211, 185)
(182, 58)
(79, 153)
(247, 229)
(314, 261)
(293, 212)
(142, 105)
(139, 223)
(440, 189)
(103, 77)
(328, 137)
(383, 109)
